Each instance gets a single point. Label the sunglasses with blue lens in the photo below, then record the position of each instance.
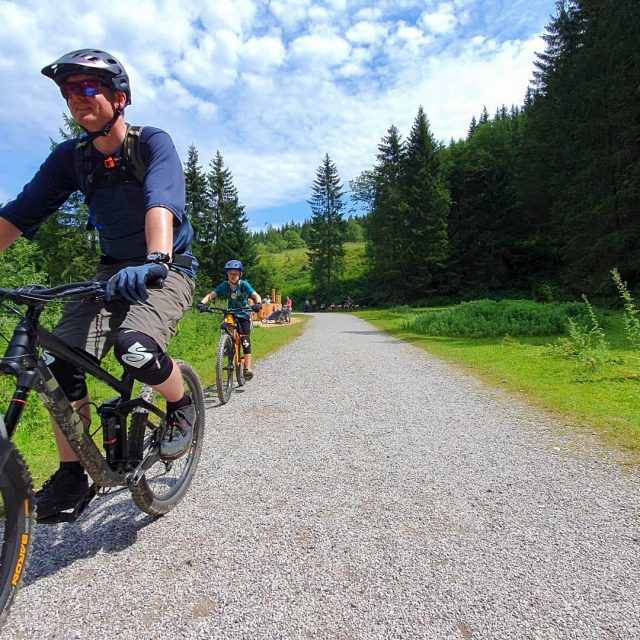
(86, 88)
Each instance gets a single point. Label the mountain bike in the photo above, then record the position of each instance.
(132, 427)
(229, 360)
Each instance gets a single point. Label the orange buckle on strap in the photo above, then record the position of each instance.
(110, 163)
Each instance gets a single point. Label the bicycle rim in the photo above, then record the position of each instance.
(16, 525)
(224, 368)
(165, 483)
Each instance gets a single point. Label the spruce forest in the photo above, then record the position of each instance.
(540, 199)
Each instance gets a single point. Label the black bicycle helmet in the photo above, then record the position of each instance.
(92, 61)
(234, 264)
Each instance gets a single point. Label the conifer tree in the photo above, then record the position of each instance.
(326, 238)
(223, 233)
(472, 127)
(424, 245)
(387, 223)
(196, 201)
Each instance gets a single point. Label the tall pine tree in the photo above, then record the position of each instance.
(222, 232)
(387, 223)
(326, 239)
(424, 245)
(196, 200)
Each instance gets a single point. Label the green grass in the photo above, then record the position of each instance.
(196, 343)
(605, 401)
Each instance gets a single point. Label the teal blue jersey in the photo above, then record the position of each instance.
(238, 297)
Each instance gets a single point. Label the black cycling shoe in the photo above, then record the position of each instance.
(62, 491)
(179, 432)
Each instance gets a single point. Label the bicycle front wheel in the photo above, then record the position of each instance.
(224, 368)
(16, 524)
(165, 482)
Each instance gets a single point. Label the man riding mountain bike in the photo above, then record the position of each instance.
(145, 237)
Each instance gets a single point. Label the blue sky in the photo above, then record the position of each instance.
(272, 84)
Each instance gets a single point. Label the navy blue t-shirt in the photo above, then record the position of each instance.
(119, 211)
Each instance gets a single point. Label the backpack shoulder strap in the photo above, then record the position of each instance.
(131, 152)
(82, 162)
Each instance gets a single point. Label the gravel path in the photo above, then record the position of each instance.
(357, 488)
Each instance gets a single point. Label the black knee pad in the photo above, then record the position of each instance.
(245, 341)
(71, 379)
(140, 355)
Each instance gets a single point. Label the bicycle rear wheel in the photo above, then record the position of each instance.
(224, 368)
(16, 525)
(165, 483)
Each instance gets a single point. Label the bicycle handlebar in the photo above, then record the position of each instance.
(225, 310)
(32, 295)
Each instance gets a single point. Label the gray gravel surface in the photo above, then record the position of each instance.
(357, 488)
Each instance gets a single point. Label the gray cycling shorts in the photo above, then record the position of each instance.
(92, 325)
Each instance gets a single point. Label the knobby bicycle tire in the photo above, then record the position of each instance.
(17, 521)
(165, 483)
(224, 368)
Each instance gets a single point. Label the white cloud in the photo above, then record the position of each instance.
(213, 62)
(272, 86)
(262, 54)
(369, 14)
(324, 50)
(234, 15)
(441, 21)
(365, 32)
(290, 13)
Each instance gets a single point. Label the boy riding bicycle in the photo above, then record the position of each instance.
(237, 292)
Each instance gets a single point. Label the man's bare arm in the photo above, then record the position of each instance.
(9, 233)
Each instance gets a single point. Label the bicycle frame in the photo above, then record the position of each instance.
(22, 360)
(230, 326)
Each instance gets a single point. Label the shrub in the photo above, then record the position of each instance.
(631, 320)
(492, 319)
(586, 343)
(401, 310)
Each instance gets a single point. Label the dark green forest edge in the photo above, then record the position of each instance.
(535, 208)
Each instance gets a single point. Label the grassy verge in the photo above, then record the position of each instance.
(196, 343)
(606, 401)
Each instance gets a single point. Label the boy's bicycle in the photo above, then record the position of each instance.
(229, 360)
(132, 430)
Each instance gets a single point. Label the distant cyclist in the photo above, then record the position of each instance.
(237, 292)
(145, 236)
